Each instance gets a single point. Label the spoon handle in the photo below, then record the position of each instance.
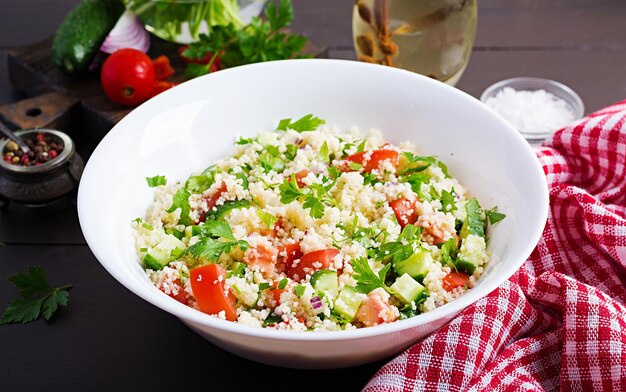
(8, 133)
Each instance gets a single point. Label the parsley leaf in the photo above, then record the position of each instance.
(365, 277)
(260, 40)
(210, 249)
(355, 166)
(292, 151)
(218, 212)
(313, 196)
(244, 180)
(315, 205)
(306, 123)
(241, 141)
(268, 219)
(299, 290)
(448, 201)
(494, 216)
(39, 299)
(289, 190)
(448, 253)
(219, 229)
(201, 182)
(416, 163)
(324, 156)
(269, 320)
(181, 200)
(282, 284)
(156, 181)
(279, 17)
(217, 238)
(474, 221)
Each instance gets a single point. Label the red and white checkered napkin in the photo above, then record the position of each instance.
(560, 321)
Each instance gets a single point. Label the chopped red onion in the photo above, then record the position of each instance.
(128, 32)
(316, 302)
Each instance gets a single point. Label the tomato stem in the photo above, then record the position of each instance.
(129, 91)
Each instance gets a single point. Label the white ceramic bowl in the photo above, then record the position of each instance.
(190, 126)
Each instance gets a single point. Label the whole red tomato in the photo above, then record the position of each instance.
(128, 77)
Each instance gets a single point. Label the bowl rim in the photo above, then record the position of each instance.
(443, 313)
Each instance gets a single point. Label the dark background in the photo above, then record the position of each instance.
(109, 339)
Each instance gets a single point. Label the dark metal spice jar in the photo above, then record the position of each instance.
(43, 148)
(51, 172)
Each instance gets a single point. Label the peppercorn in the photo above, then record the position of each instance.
(43, 148)
(12, 146)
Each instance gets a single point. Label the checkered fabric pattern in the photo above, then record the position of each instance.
(560, 321)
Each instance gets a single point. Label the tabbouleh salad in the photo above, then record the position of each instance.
(309, 229)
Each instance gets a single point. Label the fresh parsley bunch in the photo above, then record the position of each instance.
(261, 40)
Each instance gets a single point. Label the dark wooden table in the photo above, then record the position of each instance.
(109, 339)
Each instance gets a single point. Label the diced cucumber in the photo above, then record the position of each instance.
(472, 250)
(326, 281)
(408, 289)
(192, 231)
(417, 265)
(347, 303)
(165, 251)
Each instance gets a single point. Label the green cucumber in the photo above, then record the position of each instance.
(417, 265)
(163, 253)
(408, 289)
(347, 303)
(326, 281)
(78, 39)
(472, 250)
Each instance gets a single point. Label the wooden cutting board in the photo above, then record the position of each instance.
(63, 101)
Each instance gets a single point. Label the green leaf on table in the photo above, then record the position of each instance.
(39, 299)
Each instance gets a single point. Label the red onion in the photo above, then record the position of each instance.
(316, 302)
(127, 33)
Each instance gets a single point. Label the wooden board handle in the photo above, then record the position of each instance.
(44, 111)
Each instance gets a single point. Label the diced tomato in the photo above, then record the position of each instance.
(374, 310)
(216, 66)
(207, 284)
(211, 200)
(311, 262)
(276, 292)
(162, 67)
(181, 295)
(375, 157)
(299, 176)
(161, 86)
(455, 279)
(287, 254)
(405, 211)
(263, 258)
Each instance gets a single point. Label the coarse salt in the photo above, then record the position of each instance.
(534, 113)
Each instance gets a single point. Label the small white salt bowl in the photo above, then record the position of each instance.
(555, 88)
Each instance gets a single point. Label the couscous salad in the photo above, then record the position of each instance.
(307, 228)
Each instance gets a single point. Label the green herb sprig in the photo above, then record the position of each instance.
(39, 299)
(261, 40)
